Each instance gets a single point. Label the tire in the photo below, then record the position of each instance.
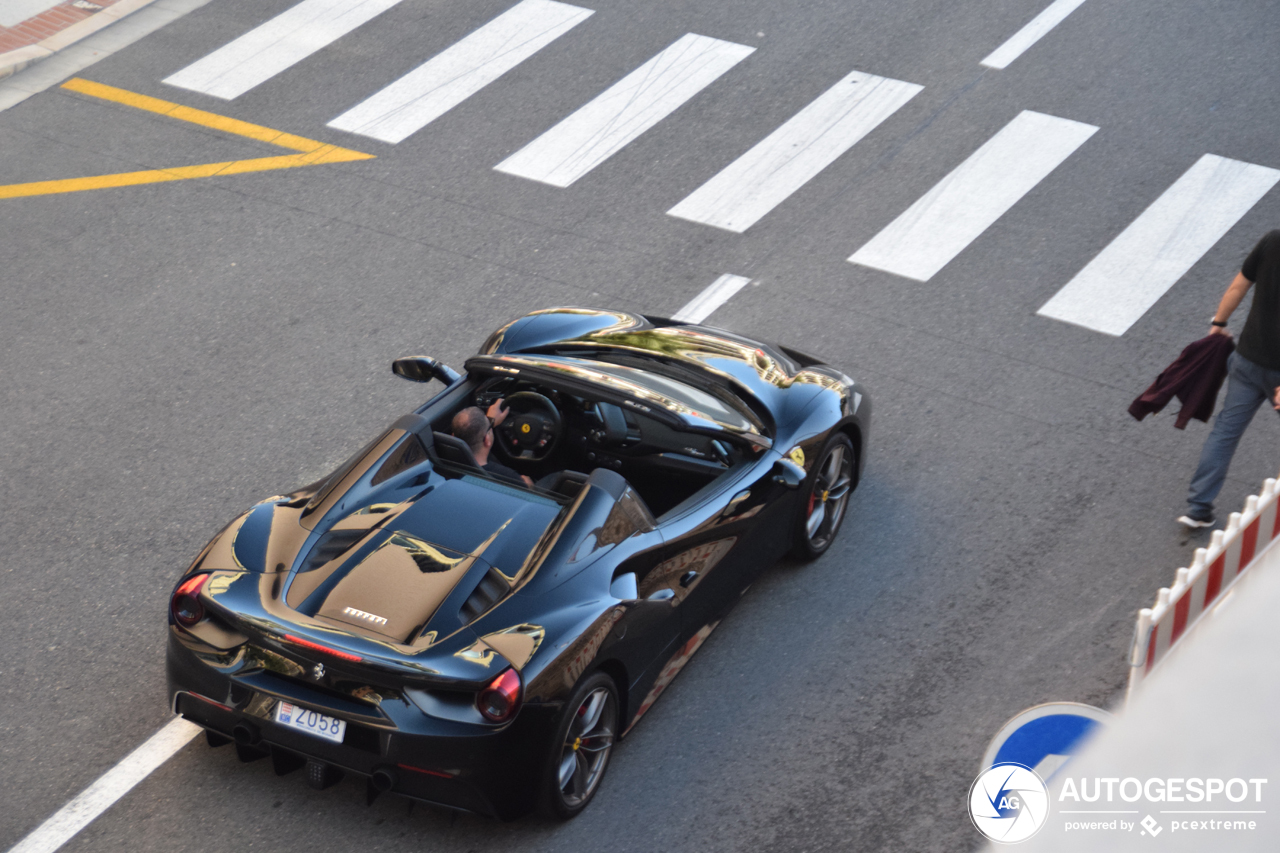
(579, 754)
(824, 499)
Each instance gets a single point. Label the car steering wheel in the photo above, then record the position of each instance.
(532, 428)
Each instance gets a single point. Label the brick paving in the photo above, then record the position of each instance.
(49, 23)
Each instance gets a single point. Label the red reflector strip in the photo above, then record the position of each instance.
(211, 702)
(316, 647)
(439, 773)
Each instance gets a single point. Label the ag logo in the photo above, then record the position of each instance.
(524, 428)
(1008, 803)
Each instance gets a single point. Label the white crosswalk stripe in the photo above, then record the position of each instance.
(625, 110)
(1040, 25)
(281, 42)
(784, 161)
(705, 303)
(1108, 295)
(448, 79)
(1138, 267)
(946, 219)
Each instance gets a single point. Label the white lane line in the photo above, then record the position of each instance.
(281, 42)
(440, 84)
(979, 191)
(705, 303)
(625, 110)
(1031, 33)
(111, 786)
(787, 159)
(1138, 267)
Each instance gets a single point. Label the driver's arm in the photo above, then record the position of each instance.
(498, 411)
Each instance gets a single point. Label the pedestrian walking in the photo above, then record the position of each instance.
(1253, 373)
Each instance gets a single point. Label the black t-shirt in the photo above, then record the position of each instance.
(497, 469)
(1260, 340)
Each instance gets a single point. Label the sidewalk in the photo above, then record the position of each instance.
(63, 37)
(31, 30)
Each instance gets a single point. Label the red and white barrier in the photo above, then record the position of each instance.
(1195, 589)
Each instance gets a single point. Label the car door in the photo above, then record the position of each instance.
(649, 630)
(714, 549)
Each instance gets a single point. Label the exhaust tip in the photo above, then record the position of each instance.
(383, 779)
(246, 734)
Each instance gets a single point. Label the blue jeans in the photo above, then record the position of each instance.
(1248, 386)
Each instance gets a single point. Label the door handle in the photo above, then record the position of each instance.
(688, 578)
(735, 502)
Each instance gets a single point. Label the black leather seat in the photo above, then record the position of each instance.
(450, 448)
(567, 483)
(453, 450)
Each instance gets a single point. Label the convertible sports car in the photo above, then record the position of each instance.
(459, 638)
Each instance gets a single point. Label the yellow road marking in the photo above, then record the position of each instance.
(309, 152)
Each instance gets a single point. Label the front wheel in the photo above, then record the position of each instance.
(580, 752)
(825, 497)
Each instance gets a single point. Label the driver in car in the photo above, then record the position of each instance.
(476, 429)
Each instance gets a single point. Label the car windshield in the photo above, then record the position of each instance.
(692, 400)
(663, 391)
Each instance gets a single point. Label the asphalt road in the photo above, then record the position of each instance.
(173, 352)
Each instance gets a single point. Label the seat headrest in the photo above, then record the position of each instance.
(450, 448)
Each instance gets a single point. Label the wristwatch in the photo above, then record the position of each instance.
(1213, 321)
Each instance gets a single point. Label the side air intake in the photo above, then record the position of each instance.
(487, 593)
(330, 547)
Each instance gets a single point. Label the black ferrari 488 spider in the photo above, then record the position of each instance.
(472, 641)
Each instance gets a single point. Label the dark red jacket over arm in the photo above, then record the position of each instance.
(1194, 378)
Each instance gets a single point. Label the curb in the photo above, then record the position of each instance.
(17, 60)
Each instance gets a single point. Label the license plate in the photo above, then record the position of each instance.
(303, 719)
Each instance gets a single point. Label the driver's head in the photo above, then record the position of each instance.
(472, 426)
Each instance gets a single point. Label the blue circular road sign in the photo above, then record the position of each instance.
(1045, 737)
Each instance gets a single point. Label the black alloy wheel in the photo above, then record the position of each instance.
(584, 740)
(825, 496)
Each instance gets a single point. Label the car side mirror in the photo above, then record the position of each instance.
(788, 473)
(424, 368)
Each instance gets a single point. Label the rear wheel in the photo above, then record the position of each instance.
(580, 752)
(825, 497)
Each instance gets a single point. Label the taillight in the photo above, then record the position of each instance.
(185, 605)
(499, 701)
